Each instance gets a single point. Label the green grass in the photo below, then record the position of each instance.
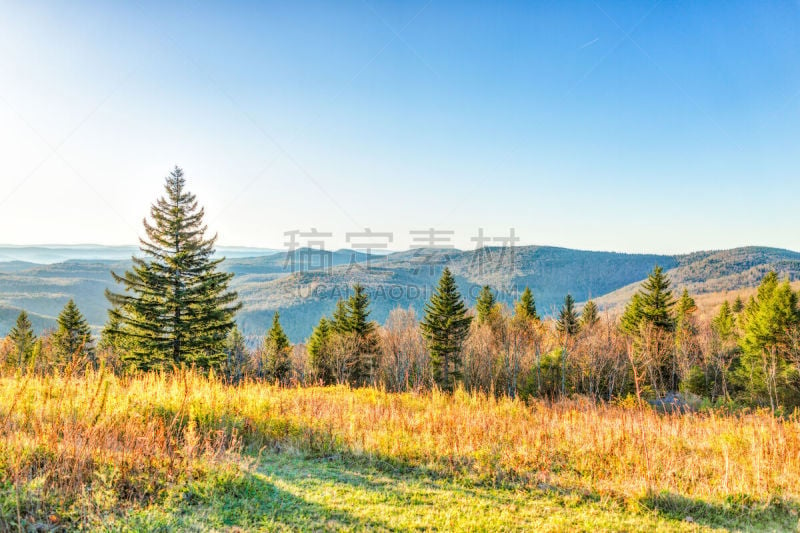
(282, 492)
(181, 452)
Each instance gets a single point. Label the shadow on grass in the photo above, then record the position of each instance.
(286, 491)
(291, 492)
(737, 512)
(397, 482)
(375, 481)
(235, 498)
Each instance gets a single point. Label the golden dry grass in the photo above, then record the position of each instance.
(133, 437)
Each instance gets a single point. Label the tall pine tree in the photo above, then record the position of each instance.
(590, 314)
(567, 322)
(23, 340)
(685, 339)
(653, 304)
(358, 313)
(657, 300)
(176, 308)
(114, 347)
(726, 348)
(345, 346)
(445, 326)
(485, 304)
(649, 321)
(765, 371)
(526, 306)
(276, 352)
(684, 310)
(738, 305)
(73, 338)
(632, 316)
(236, 356)
(319, 348)
(340, 322)
(724, 324)
(364, 333)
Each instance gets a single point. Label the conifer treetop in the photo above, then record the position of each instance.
(176, 307)
(590, 314)
(445, 326)
(485, 303)
(652, 304)
(567, 323)
(74, 336)
(526, 306)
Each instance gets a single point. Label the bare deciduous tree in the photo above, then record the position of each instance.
(404, 363)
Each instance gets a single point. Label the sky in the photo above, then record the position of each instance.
(647, 126)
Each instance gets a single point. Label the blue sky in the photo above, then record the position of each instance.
(635, 126)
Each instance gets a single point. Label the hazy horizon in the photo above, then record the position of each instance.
(264, 249)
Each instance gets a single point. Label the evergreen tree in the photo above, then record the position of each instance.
(652, 304)
(445, 326)
(590, 315)
(23, 340)
(352, 336)
(567, 323)
(725, 350)
(657, 300)
(769, 283)
(340, 321)
(114, 347)
(358, 313)
(364, 332)
(108, 335)
(685, 327)
(649, 321)
(685, 338)
(632, 316)
(73, 338)
(485, 304)
(526, 306)
(738, 305)
(176, 308)
(724, 323)
(685, 308)
(276, 351)
(764, 370)
(319, 352)
(236, 356)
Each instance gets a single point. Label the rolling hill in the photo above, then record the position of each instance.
(305, 285)
(718, 272)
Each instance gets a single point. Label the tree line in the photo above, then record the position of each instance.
(176, 310)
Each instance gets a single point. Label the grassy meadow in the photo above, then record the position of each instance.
(182, 451)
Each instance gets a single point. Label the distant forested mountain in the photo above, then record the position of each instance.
(305, 285)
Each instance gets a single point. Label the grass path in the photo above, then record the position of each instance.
(289, 493)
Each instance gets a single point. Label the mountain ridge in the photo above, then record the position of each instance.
(303, 291)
